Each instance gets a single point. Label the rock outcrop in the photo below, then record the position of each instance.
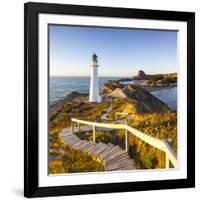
(143, 101)
(162, 78)
(141, 76)
(110, 86)
(128, 97)
(70, 97)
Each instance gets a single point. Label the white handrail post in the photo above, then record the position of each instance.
(167, 161)
(78, 127)
(94, 133)
(72, 126)
(126, 140)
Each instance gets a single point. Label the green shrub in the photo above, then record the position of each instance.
(150, 161)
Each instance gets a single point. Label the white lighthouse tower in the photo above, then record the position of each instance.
(94, 81)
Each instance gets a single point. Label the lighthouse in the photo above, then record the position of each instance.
(94, 80)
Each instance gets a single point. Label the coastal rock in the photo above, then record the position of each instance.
(75, 95)
(144, 102)
(125, 79)
(141, 76)
(129, 98)
(110, 86)
(162, 79)
(70, 97)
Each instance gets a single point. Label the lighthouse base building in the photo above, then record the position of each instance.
(94, 81)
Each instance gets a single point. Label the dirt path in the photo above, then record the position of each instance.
(105, 115)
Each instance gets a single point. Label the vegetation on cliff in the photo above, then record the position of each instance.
(159, 125)
(71, 161)
(147, 114)
(157, 79)
(153, 120)
(138, 99)
(60, 117)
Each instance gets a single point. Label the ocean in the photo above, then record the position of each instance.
(168, 96)
(60, 87)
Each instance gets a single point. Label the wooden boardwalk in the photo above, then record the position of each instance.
(113, 157)
(163, 145)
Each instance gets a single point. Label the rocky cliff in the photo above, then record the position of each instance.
(139, 100)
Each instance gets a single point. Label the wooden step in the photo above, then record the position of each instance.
(110, 145)
(68, 139)
(91, 148)
(73, 141)
(118, 158)
(114, 157)
(86, 148)
(117, 165)
(77, 145)
(95, 149)
(106, 151)
(101, 148)
(111, 152)
(84, 143)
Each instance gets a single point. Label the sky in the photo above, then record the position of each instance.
(121, 52)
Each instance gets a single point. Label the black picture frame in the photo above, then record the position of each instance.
(31, 12)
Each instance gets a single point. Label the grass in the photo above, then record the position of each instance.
(160, 125)
(74, 161)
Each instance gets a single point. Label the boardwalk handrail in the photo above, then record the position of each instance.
(157, 143)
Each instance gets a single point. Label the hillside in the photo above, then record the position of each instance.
(141, 100)
(155, 77)
(147, 113)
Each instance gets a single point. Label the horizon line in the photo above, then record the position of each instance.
(110, 75)
(86, 76)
